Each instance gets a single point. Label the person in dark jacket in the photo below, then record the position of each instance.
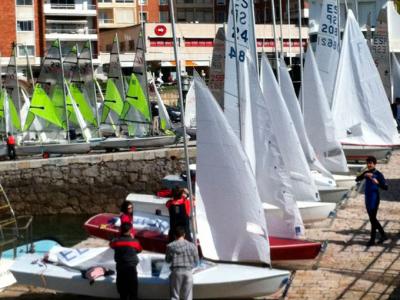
(374, 180)
(126, 249)
(179, 213)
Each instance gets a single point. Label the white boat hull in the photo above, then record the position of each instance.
(345, 181)
(332, 194)
(126, 143)
(310, 211)
(218, 281)
(6, 278)
(360, 153)
(53, 148)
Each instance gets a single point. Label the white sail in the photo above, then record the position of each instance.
(394, 27)
(162, 110)
(327, 48)
(380, 50)
(293, 105)
(225, 180)
(396, 76)
(217, 68)
(190, 108)
(287, 138)
(236, 106)
(318, 119)
(273, 180)
(361, 110)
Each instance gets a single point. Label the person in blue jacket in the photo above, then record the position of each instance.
(374, 180)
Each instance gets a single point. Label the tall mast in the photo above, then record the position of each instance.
(29, 67)
(17, 83)
(276, 47)
(301, 56)
(290, 33)
(146, 88)
(280, 27)
(63, 88)
(120, 70)
(94, 88)
(178, 77)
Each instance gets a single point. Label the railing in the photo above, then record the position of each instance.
(106, 21)
(71, 6)
(72, 31)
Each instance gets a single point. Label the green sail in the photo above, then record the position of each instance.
(14, 115)
(136, 98)
(43, 107)
(113, 99)
(2, 96)
(57, 98)
(82, 104)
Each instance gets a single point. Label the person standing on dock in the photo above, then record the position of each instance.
(179, 213)
(126, 249)
(183, 256)
(373, 181)
(11, 146)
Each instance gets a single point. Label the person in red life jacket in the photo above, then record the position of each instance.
(179, 213)
(126, 250)
(127, 215)
(11, 146)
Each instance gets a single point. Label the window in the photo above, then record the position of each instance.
(131, 45)
(143, 16)
(24, 2)
(30, 50)
(163, 2)
(164, 17)
(220, 2)
(124, 1)
(220, 17)
(24, 25)
(142, 2)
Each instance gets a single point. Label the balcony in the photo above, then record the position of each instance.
(71, 34)
(79, 9)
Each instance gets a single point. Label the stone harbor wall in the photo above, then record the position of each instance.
(87, 184)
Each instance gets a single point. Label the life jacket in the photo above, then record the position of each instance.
(179, 206)
(11, 140)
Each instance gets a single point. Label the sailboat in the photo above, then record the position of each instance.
(239, 236)
(130, 104)
(322, 176)
(370, 128)
(190, 111)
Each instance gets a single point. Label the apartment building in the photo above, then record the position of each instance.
(37, 23)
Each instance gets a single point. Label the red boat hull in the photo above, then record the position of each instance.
(281, 248)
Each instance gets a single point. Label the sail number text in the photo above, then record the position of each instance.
(329, 27)
(241, 31)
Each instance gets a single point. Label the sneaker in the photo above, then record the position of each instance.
(382, 239)
(370, 243)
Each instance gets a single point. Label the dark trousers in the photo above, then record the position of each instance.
(375, 225)
(171, 232)
(11, 152)
(127, 283)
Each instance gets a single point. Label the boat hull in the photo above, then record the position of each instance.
(332, 194)
(53, 148)
(345, 181)
(280, 248)
(360, 153)
(218, 281)
(145, 142)
(310, 211)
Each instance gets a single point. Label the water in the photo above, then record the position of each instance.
(68, 229)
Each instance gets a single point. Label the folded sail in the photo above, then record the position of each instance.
(288, 141)
(162, 112)
(318, 119)
(361, 109)
(293, 106)
(224, 174)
